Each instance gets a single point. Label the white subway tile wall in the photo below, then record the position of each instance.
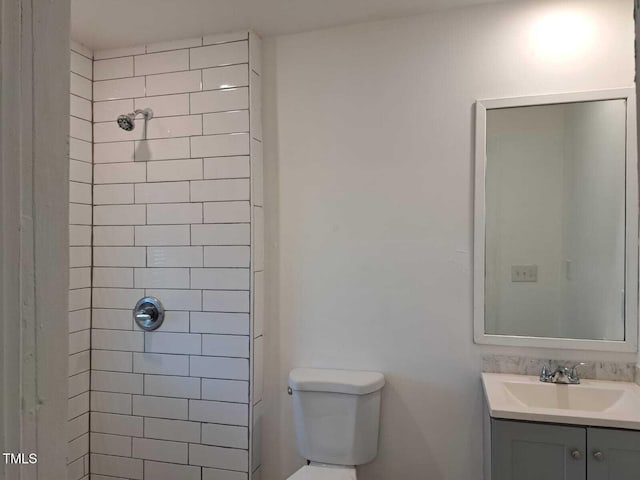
(80, 221)
(172, 218)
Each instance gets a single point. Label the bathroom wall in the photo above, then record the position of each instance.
(176, 215)
(80, 200)
(369, 165)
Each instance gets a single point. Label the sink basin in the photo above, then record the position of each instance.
(566, 397)
(593, 402)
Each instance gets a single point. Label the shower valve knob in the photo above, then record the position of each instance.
(148, 313)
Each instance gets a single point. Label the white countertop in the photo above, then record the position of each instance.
(593, 402)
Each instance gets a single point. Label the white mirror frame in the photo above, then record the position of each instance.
(630, 343)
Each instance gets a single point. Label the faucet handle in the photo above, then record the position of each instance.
(545, 373)
(573, 371)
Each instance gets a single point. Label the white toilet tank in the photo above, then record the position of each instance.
(336, 414)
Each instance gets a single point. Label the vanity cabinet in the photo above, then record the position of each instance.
(539, 451)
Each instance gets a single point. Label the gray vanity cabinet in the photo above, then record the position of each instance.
(536, 451)
(613, 454)
(539, 451)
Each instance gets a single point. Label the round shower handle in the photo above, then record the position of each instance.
(148, 313)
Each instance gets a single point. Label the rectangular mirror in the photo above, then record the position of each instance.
(556, 229)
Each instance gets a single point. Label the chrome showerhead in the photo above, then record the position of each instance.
(127, 121)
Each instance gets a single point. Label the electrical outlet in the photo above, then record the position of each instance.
(524, 273)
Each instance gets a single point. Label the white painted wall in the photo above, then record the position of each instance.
(369, 159)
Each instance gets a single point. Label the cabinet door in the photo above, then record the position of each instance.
(613, 454)
(533, 451)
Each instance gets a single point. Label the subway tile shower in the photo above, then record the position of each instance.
(171, 209)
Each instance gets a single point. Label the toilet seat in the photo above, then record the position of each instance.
(324, 472)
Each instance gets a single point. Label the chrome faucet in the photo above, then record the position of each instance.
(563, 375)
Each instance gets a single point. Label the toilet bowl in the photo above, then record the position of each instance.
(324, 472)
(336, 414)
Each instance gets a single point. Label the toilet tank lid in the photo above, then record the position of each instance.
(335, 381)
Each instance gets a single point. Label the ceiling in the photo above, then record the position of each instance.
(117, 23)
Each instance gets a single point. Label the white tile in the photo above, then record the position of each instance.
(174, 213)
(162, 149)
(80, 277)
(117, 382)
(219, 457)
(79, 214)
(130, 172)
(225, 122)
(119, 215)
(130, 468)
(238, 234)
(112, 319)
(80, 256)
(225, 37)
(79, 320)
(225, 390)
(256, 106)
(79, 341)
(109, 402)
(116, 424)
(79, 384)
(111, 360)
(162, 277)
(78, 447)
(113, 194)
(220, 100)
(80, 107)
(225, 346)
(113, 277)
(121, 88)
(170, 61)
(226, 167)
(170, 471)
(162, 235)
(109, 111)
(80, 171)
(79, 235)
(117, 340)
(227, 212)
(255, 52)
(168, 127)
(80, 86)
(258, 220)
(174, 44)
(80, 129)
(159, 364)
(216, 474)
(225, 436)
(113, 236)
(220, 278)
(230, 323)
(167, 83)
(174, 257)
(176, 430)
(258, 304)
(257, 168)
(219, 55)
(165, 105)
(79, 362)
(113, 68)
(162, 192)
(177, 343)
(171, 386)
(178, 299)
(150, 449)
(81, 49)
(175, 321)
(118, 52)
(78, 426)
(218, 412)
(79, 192)
(225, 77)
(80, 150)
(110, 445)
(220, 367)
(116, 297)
(76, 470)
(115, 152)
(147, 406)
(119, 257)
(258, 369)
(111, 132)
(220, 190)
(79, 299)
(81, 65)
(77, 405)
(174, 170)
(220, 145)
(227, 256)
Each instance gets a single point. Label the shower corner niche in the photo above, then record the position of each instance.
(172, 210)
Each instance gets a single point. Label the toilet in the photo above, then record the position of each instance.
(336, 415)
